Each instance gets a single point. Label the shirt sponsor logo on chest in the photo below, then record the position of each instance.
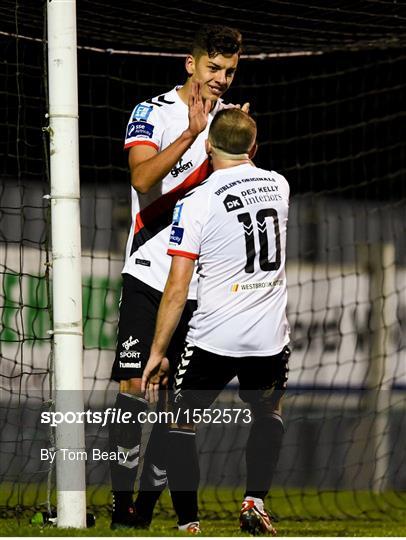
(181, 167)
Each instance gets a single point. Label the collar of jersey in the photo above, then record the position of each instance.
(234, 168)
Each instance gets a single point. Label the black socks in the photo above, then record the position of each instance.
(262, 454)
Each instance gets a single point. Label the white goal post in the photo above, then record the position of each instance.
(66, 257)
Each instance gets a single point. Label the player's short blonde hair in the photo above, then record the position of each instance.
(233, 131)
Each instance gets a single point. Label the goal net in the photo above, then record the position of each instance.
(330, 116)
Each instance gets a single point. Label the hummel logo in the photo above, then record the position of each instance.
(130, 342)
(161, 100)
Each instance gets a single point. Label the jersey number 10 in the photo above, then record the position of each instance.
(261, 216)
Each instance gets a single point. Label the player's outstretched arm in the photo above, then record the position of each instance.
(148, 166)
(170, 310)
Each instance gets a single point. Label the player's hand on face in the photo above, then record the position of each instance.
(155, 376)
(198, 110)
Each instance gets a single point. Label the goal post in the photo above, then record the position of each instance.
(66, 258)
(382, 284)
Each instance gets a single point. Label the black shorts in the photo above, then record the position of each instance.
(136, 326)
(202, 375)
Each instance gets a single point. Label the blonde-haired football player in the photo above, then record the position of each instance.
(234, 225)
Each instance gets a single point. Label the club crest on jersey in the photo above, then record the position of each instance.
(141, 112)
(176, 235)
(140, 129)
(232, 202)
(176, 214)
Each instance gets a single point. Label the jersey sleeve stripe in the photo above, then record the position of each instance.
(147, 143)
(185, 254)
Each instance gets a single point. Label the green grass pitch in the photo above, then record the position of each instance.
(299, 513)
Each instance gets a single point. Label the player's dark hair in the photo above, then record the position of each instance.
(233, 131)
(216, 39)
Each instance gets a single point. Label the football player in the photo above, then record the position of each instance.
(234, 225)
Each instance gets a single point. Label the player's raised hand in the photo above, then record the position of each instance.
(198, 110)
(154, 376)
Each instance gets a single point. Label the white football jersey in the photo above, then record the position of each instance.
(235, 224)
(158, 122)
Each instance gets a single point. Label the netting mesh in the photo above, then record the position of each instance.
(269, 26)
(333, 124)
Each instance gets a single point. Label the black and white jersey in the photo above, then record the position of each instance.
(234, 224)
(158, 122)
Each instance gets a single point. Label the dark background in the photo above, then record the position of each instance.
(332, 122)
